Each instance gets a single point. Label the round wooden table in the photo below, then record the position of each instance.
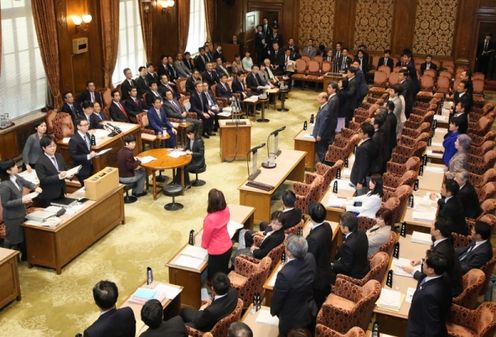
(163, 161)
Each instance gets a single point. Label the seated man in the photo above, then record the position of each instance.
(134, 105)
(292, 215)
(152, 314)
(174, 109)
(223, 89)
(112, 321)
(224, 303)
(427, 65)
(352, 255)
(159, 123)
(199, 105)
(70, 107)
(196, 148)
(117, 111)
(213, 107)
(80, 150)
(239, 85)
(239, 329)
(152, 94)
(479, 251)
(88, 113)
(129, 167)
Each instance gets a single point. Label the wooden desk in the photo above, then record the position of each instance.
(103, 142)
(331, 77)
(271, 280)
(163, 161)
(235, 140)
(344, 191)
(420, 204)
(190, 278)
(259, 329)
(391, 321)
(432, 178)
(56, 247)
(171, 307)
(304, 143)
(10, 288)
(290, 166)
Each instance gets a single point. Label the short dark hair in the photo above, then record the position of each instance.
(87, 104)
(129, 138)
(387, 51)
(66, 93)
(39, 122)
(379, 118)
(352, 70)
(317, 212)
(4, 166)
(221, 283)
(452, 186)
(288, 198)
(216, 201)
(386, 215)
(89, 82)
(348, 219)
(152, 313)
(112, 93)
(45, 141)
(223, 75)
(141, 68)
(105, 294)
(397, 88)
(437, 262)
(483, 229)
(391, 105)
(443, 225)
(157, 99)
(239, 329)
(367, 129)
(125, 70)
(333, 85)
(377, 180)
(191, 129)
(79, 120)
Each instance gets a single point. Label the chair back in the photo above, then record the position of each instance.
(301, 66)
(473, 281)
(256, 274)
(445, 74)
(384, 69)
(62, 125)
(295, 229)
(488, 271)
(408, 178)
(426, 82)
(379, 263)
(488, 206)
(142, 119)
(380, 77)
(326, 66)
(324, 331)
(221, 327)
(388, 246)
(318, 58)
(393, 78)
(306, 58)
(478, 76)
(487, 191)
(430, 72)
(460, 240)
(365, 223)
(313, 66)
(478, 86)
(275, 256)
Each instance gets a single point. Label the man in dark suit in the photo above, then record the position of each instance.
(117, 111)
(92, 118)
(292, 298)
(427, 65)
(173, 74)
(362, 63)
(275, 37)
(239, 85)
(127, 84)
(222, 88)
(272, 238)
(151, 75)
(467, 195)
(112, 321)
(201, 60)
(463, 96)
(174, 109)
(365, 154)
(260, 45)
(406, 91)
(152, 314)
(389, 128)
(50, 169)
(442, 244)
(165, 85)
(319, 245)
(479, 251)
(266, 29)
(295, 51)
(133, 105)
(90, 94)
(352, 93)
(345, 60)
(351, 259)
(188, 62)
(159, 122)
(450, 207)
(224, 303)
(386, 60)
(379, 139)
(196, 147)
(276, 56)
(485, 50)
(151, 94)
(162, 67)
(431, 301)
(361, 78)
(199, 105)
(209, 75)
(80, 150)
(292, 215)
(190, 82)
(142, 83)
(326, 121)
(253, 80)
(70, 107)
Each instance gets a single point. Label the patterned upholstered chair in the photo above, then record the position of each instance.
(275, 255)
(49, 117)
(488, 191)
(349, 305)
(473, 281)
(308, 192)
(483, 148)
(222, 326)
(480, 180)
(412, 163)
(415, 132)
(147, 135)
(379, 263)
(295, 229)
(393, 204)
(62, 125)
(408, 141)
(443, 84)
(335, 153)
(301, 68)
(401, 193)
(484, 124)
(487, 163)
(328, 172)
(324, 331)
(488, 269)
(391, 182)
(460, 240)
(365, 223)
(249, 275)
(414, 121)
(426, 82)
(388, 246)
(480, 322)
(479, 140)
(401, 153)
(488, 206)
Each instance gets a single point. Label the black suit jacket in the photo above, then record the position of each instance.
(476, 258)
(116, 113)
(210, 77)
(327, 120)
(78, 149)
(173, 327)
(218, 309)
(423, 66)
(86, 96)
(152, 77)
(429, 309)
(126, 87)
(94, 121)
(237, 86)
(133, 107)
(115, 323)
(190, 64)
(364, 157)
(470, 201)
(269, 243)
(353, 86)
(197, 153)
(173, 111)
(53, 187)
(389, 128)
(319, 245)
(142, 85)
(253, 81)
(407, 93)
(379, 163)
(75, 112)
(200, 63)
(292, 298)
(291, 217)
(352, 256)
(223, 91)
(162, 69)
(466, 100)
(198, 103)
(453, 210)
(389, 63)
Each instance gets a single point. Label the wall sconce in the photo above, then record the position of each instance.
(166, 4)
(79, 20)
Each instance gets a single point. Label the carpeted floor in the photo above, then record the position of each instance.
(61, 305)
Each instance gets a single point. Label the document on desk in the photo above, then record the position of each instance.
(424, 216)
(264, 317)
(232, 227)
(102, 152)
(422, 238)
(170, 292)
(434, 169)
(225, 113)
(176, 153)
(195, 251)
(390, 299)
(73, 171)
(146, 159)
(308, 135)
(189, 262)
(335, 201)
(398, 263)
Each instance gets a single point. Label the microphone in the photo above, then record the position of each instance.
(275, 132)
(115, 128)
(254, 149)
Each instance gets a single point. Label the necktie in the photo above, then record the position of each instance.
(122, 109)
(422, 282)
(88, 142)
(92, 95)
(176, 107)
(343, 65)
(54, 161)
(486, 45)
(158, 114)
(256, 80)
(468, 251)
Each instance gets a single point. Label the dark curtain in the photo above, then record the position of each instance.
(183, 19)
(209, 18)
(146, 30)
(109, 17)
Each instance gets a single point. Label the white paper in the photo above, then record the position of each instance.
(73, 171)
(434, 169)
(103, 151)
(430, 153)
(334, 201)
(252, 99)
(343, 185)
(424, 216)
(32, 195)
(146, 159)
(389, 299)
(167, 290)
(224, 113)
(30, 176)
(65, 140)
(195, 251)
(441, 118)
(176, 153)
(423, 238)
(398, 263)
(308, 135)
(409, 295)
(189, 262)
(232, 227)
(264, 317)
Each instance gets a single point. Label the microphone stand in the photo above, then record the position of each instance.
(255, 171)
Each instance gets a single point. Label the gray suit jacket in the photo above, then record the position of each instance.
(327, 119)
(181, 69)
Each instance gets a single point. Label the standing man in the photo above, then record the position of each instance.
(484, 52)
(353, 91)
(80, 150)
(90, 94)
(128, 83)
(326, 121)
(365, 154)
(292, 298)
(431, 301)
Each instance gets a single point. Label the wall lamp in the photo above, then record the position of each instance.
(81, 22)
(165, 4)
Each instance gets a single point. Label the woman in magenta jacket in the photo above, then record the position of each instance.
(215, 238)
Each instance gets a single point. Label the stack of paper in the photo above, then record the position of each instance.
(424, 216)
(251, 99)
(390, 299)
(398, 263)
(73, 170)
(434, 169)
(168, 291)
(189, 262)
(422, 238)
(264, 317)
(195, 251)
(409, 295)
(334, 201)
(30, 176)
(308, 135)
(146, 159)
(141, 295)
(232, 227)
(176, 153)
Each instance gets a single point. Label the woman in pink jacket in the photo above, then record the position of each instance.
(215, 238)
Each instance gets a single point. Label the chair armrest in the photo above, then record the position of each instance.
(192, 332)
(350, 279)
(463, 316)
(347, 290)
(395, 168)
(309, 177)
(301, 189)
(243, 265)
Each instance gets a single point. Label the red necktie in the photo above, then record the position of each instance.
(122, 109)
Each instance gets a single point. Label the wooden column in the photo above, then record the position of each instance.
(465, 38)
(403, 25)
